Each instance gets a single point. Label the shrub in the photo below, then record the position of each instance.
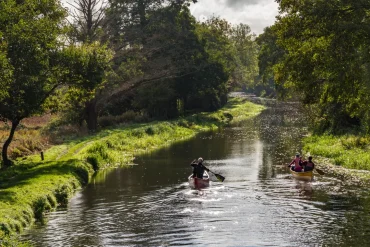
(128, 116)
(52, 201)
(109, 143)
(93, 160)
(15, 153)
(150, 131)
(41, 206)
(137, 133)
(107, 121)
(142, 118)
(83, 174)
(228, 116)
(13, 241)
(63, 193)
(184, 123)
(354, 142)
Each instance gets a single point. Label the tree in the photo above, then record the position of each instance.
(87, 28)
(88, 20)
(165, 48)
(29, 55)
(246, 57)
(128, 20)
(206, 89)
(87, 65)
(196, 58)
(270, 54)
(327, 60)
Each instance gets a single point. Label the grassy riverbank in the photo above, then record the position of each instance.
(32, 187)
(346, 156)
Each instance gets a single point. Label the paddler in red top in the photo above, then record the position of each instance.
(296, 164)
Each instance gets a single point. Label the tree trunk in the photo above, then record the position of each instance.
(142, 13)
(6, 161)
(91, 115)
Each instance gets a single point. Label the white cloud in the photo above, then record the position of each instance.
(258, 14)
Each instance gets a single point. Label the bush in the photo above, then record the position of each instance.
(142, 118)
(184, 123)
(83, 174)
(63, 193)
(129, 116)
(13, 241)
(107, 121)
(137, 133)
(93, 161)
(41, 206)
(354, 142)
(150, 131)
(228, 116)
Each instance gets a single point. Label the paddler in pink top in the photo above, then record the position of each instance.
(296, 163)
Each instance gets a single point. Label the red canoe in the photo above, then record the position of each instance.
(198, 183)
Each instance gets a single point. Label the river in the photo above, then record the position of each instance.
(259, 204)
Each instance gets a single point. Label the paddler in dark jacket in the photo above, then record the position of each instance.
(308, 164)
(198, 168)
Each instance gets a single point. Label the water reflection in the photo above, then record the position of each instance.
(259, 204)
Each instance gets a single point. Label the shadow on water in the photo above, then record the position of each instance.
(259, 204)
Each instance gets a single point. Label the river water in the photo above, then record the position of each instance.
(259, 204)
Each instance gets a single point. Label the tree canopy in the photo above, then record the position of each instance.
(150, 57)
(35, 60)
(324, 62)
(30, 51)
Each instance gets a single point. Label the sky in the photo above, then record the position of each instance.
(258, 14)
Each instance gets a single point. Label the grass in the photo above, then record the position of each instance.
(348, 151)
(28, 138)
(31, 188)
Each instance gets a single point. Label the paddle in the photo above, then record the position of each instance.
(218, 176)
(321, 172)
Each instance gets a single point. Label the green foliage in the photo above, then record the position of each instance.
(150, 131)
(13, 241)
(29, 59)
(245, 74)
(30, 53)
(158, 101)
(30, 190)
(186, 65)
(41, 206)
(349, 151)
(214, 35)
(326, 58)
(126, 117)
(34, 62)
(270, 53)
(88, 65)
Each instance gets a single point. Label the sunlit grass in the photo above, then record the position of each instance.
(33, 187)
(348, 151)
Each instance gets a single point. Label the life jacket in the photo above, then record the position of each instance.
(309, 164)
